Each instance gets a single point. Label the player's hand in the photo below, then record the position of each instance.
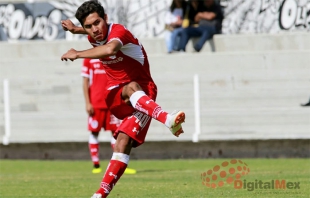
(67, 25)
(89, 109)
(71, 55)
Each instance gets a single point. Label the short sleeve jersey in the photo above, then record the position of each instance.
(130, 63)
(93, 69)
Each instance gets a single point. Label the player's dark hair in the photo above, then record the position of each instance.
(88, 8)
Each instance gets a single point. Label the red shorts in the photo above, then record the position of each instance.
(135, 123)
(102, 118)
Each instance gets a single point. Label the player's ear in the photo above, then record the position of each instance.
(105, 18)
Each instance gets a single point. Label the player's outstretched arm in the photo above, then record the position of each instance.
(67, 25)
(109, 49)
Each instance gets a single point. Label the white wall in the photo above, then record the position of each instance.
(245, 94)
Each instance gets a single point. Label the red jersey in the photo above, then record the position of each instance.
(93, 69)
(130, 63)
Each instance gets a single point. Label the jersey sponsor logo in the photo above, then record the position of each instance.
(119, 59)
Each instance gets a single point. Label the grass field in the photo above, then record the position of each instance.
(155, 178)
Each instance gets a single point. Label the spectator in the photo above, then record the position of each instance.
(94, 81)
(173, 21)
(193, 6)
(209, 19)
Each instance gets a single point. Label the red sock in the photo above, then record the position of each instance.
(94, 153)
(146, 105)
(114, 171)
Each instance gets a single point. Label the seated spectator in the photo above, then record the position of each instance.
(191, 11)
(209, 19)
(173, 21)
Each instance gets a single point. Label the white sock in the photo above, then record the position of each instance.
(93, 139)
(135, 97)
(122, 157)
(168, 120)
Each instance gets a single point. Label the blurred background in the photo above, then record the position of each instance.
(245, 93)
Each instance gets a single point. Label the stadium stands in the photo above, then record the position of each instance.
(250, 88)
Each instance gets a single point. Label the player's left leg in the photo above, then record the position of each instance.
(112, 123)
(131, 133)
(117, 165)
(129, 171)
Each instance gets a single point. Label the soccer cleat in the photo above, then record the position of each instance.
(96, 196)
(96, 170)
(130, 171)
(178, 117)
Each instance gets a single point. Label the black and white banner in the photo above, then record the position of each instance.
(25, 21)
(145, 18)
(265, 16)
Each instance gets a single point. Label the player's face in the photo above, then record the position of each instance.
(96, 26)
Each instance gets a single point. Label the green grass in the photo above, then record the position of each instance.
(155, 178)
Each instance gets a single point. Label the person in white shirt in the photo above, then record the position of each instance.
(173, 22)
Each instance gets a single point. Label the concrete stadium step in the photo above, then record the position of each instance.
(48, 127)
(35, 68)
(222, 43)
(55, 49)
(262, 42)
(243, 95)
(231, 62)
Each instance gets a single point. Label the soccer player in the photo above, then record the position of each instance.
(94, 83)
(131, 91)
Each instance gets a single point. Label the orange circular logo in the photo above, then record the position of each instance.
(225, 173)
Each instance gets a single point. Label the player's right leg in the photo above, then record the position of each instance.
(93, 145)
(94, 126)
(146, 104)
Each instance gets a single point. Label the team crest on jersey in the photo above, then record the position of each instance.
(93, 123)
(112, 57)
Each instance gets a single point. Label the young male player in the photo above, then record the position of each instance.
(131, 91)
(94, 83)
